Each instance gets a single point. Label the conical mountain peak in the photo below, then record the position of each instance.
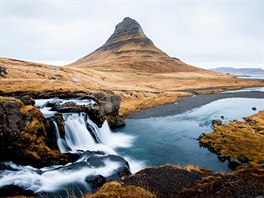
(128, 27)
(129, 49)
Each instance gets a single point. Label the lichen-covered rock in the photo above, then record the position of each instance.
(23, 135)
(111, 105)
(27, 100)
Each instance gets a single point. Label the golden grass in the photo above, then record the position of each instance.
(134, 101)
(118, 190)
(241, 140)
(26, 76)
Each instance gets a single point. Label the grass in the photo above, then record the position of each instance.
(115, 189)
(241, 140)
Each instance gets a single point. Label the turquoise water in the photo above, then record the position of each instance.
(173, 139)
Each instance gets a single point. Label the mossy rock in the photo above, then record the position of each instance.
(24, 138)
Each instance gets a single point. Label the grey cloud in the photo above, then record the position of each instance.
(197, 33)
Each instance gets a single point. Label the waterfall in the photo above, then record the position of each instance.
(60, 142)
(78, 137)
(82, 136)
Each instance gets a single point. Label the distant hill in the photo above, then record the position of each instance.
(128, 49)
(239, 70)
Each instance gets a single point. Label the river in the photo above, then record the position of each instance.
(165, 134)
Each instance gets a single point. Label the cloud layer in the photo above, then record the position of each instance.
(206, 34)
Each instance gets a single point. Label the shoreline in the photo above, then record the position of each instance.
(188, 103)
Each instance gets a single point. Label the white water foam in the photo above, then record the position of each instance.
(52, 178)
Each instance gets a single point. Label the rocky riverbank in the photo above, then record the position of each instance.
(176, 182)
(241, 143)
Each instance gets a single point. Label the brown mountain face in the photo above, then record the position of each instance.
(130, 50)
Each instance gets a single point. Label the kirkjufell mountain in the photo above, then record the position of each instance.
(129, 49)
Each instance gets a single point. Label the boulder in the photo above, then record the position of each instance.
(111, 104)
(2, 72)
(233, 163)
(217, 122)
(96, 181)
(27, 100)
(95, 112)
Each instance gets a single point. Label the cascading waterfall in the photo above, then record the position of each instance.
(60, 142)
(94, 145)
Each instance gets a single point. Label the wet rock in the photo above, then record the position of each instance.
(217, 122)
(233, 163)
(60, 123)
(221, 158)
(222, 117)
(254, 108)
(98, 160)
(95, 112)
(12, 190)
(96, 181)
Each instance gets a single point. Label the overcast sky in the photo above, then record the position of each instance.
(203, 33)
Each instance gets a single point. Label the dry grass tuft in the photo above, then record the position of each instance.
(118, 190)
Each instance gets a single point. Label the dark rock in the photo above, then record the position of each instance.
(12, 190)
(233, 163)
(96, 181)
(3, 72)
(60, 123)
(95, 112)
(217, 122)
(222, 117)
(98, 161)
(254, 108)
(251, 122)
(221, 158)
(27, 100)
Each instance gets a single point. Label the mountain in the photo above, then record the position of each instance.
(129, 49)
(239, 70)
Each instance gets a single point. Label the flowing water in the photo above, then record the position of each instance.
(81, 134)
(142, 142)
(173, 139)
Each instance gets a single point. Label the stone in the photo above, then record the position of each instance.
(96, 181)
(27, 100)
(254, 108)
(217, 122)
(2, 72)
(95, 112)
(233, 163)
(221, 158)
